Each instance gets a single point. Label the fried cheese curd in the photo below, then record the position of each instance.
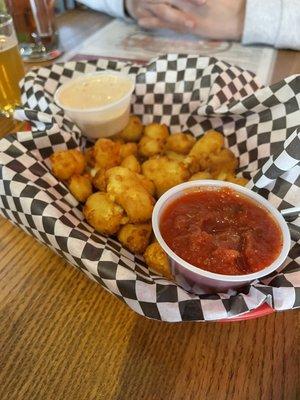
(219, 162)
(237, 180)
(210, 143)
(125, 188)
(67, 163)
(133, 131)
(147, 184)
(103, 214)
(107, 153)
(89, 156)
(180, 143)
(165, 173)
(128, 149)
(154, 140)
(200, 175)
(81, 187)
(157, 260)
(131, 163)
(135, 237)
(100, 180)
(128, 172)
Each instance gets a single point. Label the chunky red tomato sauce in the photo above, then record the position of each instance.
(221, 231)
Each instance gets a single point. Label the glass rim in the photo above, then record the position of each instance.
(8, 18)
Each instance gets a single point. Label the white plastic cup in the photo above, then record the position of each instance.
(198, 280)
(103, 121)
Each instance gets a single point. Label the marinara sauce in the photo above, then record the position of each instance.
(221, 231)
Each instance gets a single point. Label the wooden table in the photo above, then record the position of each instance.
(63, 337)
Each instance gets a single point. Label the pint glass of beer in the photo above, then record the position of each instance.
(34, 21)
(11, 67)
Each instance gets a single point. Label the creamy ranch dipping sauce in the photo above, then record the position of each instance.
(99, 103)
(94, 91)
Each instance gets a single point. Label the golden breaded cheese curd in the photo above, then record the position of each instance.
(181, 143)
(67, 163)
(120, 179)
(149, 147)
(237, 180)
(128, 149)
(224, 161)
(200, 175)
(103, 214)
(156, 131)
(157, 260)
(165, 173)
(137, 203)
(81, 187)
(107, 153)
(100, 180)
(131, 163)
(135, 237)
(172, 155)
(210, 142)
(147, 184)
(133, 130)
(89, 157)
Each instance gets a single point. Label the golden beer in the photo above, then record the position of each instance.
(11, 72)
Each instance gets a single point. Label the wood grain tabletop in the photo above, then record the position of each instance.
(63, 337)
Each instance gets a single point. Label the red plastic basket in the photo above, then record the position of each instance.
(260, 311)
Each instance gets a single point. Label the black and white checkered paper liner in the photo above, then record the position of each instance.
(187, 93)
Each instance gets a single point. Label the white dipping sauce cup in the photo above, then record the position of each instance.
(105, 120)
(198, 280)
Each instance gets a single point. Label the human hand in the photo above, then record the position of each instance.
(218, 19)
(137, 9)
(162, 13)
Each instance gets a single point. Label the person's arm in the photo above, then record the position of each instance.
(273, 22)
(115, 8)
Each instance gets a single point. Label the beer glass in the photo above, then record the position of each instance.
(11, 70)
(35, 27)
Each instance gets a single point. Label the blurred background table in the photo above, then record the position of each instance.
(63, 337)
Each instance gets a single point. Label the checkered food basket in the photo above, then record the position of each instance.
(188, 93)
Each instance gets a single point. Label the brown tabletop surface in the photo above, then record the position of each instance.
(63, 337)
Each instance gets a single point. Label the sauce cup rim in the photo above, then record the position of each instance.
(248, 194)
